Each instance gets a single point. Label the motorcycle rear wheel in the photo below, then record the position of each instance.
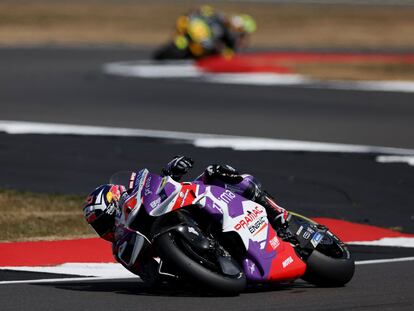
(169, 247)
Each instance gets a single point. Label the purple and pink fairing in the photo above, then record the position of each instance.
(267, 257)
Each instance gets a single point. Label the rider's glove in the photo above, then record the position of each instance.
(178, 167)
(225, 173)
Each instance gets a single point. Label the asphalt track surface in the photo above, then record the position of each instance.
(61, 85)
(344, 186)
(67, 86)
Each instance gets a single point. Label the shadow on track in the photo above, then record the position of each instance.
(172, 289)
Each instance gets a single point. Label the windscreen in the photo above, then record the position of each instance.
(121, 178)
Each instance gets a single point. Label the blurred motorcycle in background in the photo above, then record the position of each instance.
(204, 32)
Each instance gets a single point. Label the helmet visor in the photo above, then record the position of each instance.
(104, 224)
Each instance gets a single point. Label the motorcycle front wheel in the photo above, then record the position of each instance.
(196, 267)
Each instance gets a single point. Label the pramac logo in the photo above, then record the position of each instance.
(249, 218)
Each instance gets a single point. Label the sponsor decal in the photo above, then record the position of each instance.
(113, 194)
(184, 197)
(139, 178)
(110, 195)
(110, 210)
(227, 196)
(287, 262)
(132, 180)
(155, 203)
(252, 268)
(274, 242)
(192, 230)
(163, 195)
(307, 234)
(250, 217)
(215, 206)
(147, 190)
(257, 225)
(316, 239)
(299, 230)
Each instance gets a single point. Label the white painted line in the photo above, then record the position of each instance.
(145, 69)
(57, 280)
(378, 261)
(107, 270)
(255, 143)
(188, 69)
(22, 127)
(395, 242)
(257, 79)
(197, 139)
(88, 271)
(396, 159)
(267, 79)
(383, 86)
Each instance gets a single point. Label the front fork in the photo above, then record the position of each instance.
(303, 233)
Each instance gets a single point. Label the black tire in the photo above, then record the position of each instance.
(170, 51)
(329, 265)
(326, 271)
(171, 252)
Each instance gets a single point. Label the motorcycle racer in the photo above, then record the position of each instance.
(109, 211)
(227, 177)
(204, 31)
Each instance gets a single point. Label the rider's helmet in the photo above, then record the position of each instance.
(244, 23)
(100, 207)
(207, 10)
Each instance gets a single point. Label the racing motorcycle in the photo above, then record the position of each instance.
(216, 238)
(194, 39)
